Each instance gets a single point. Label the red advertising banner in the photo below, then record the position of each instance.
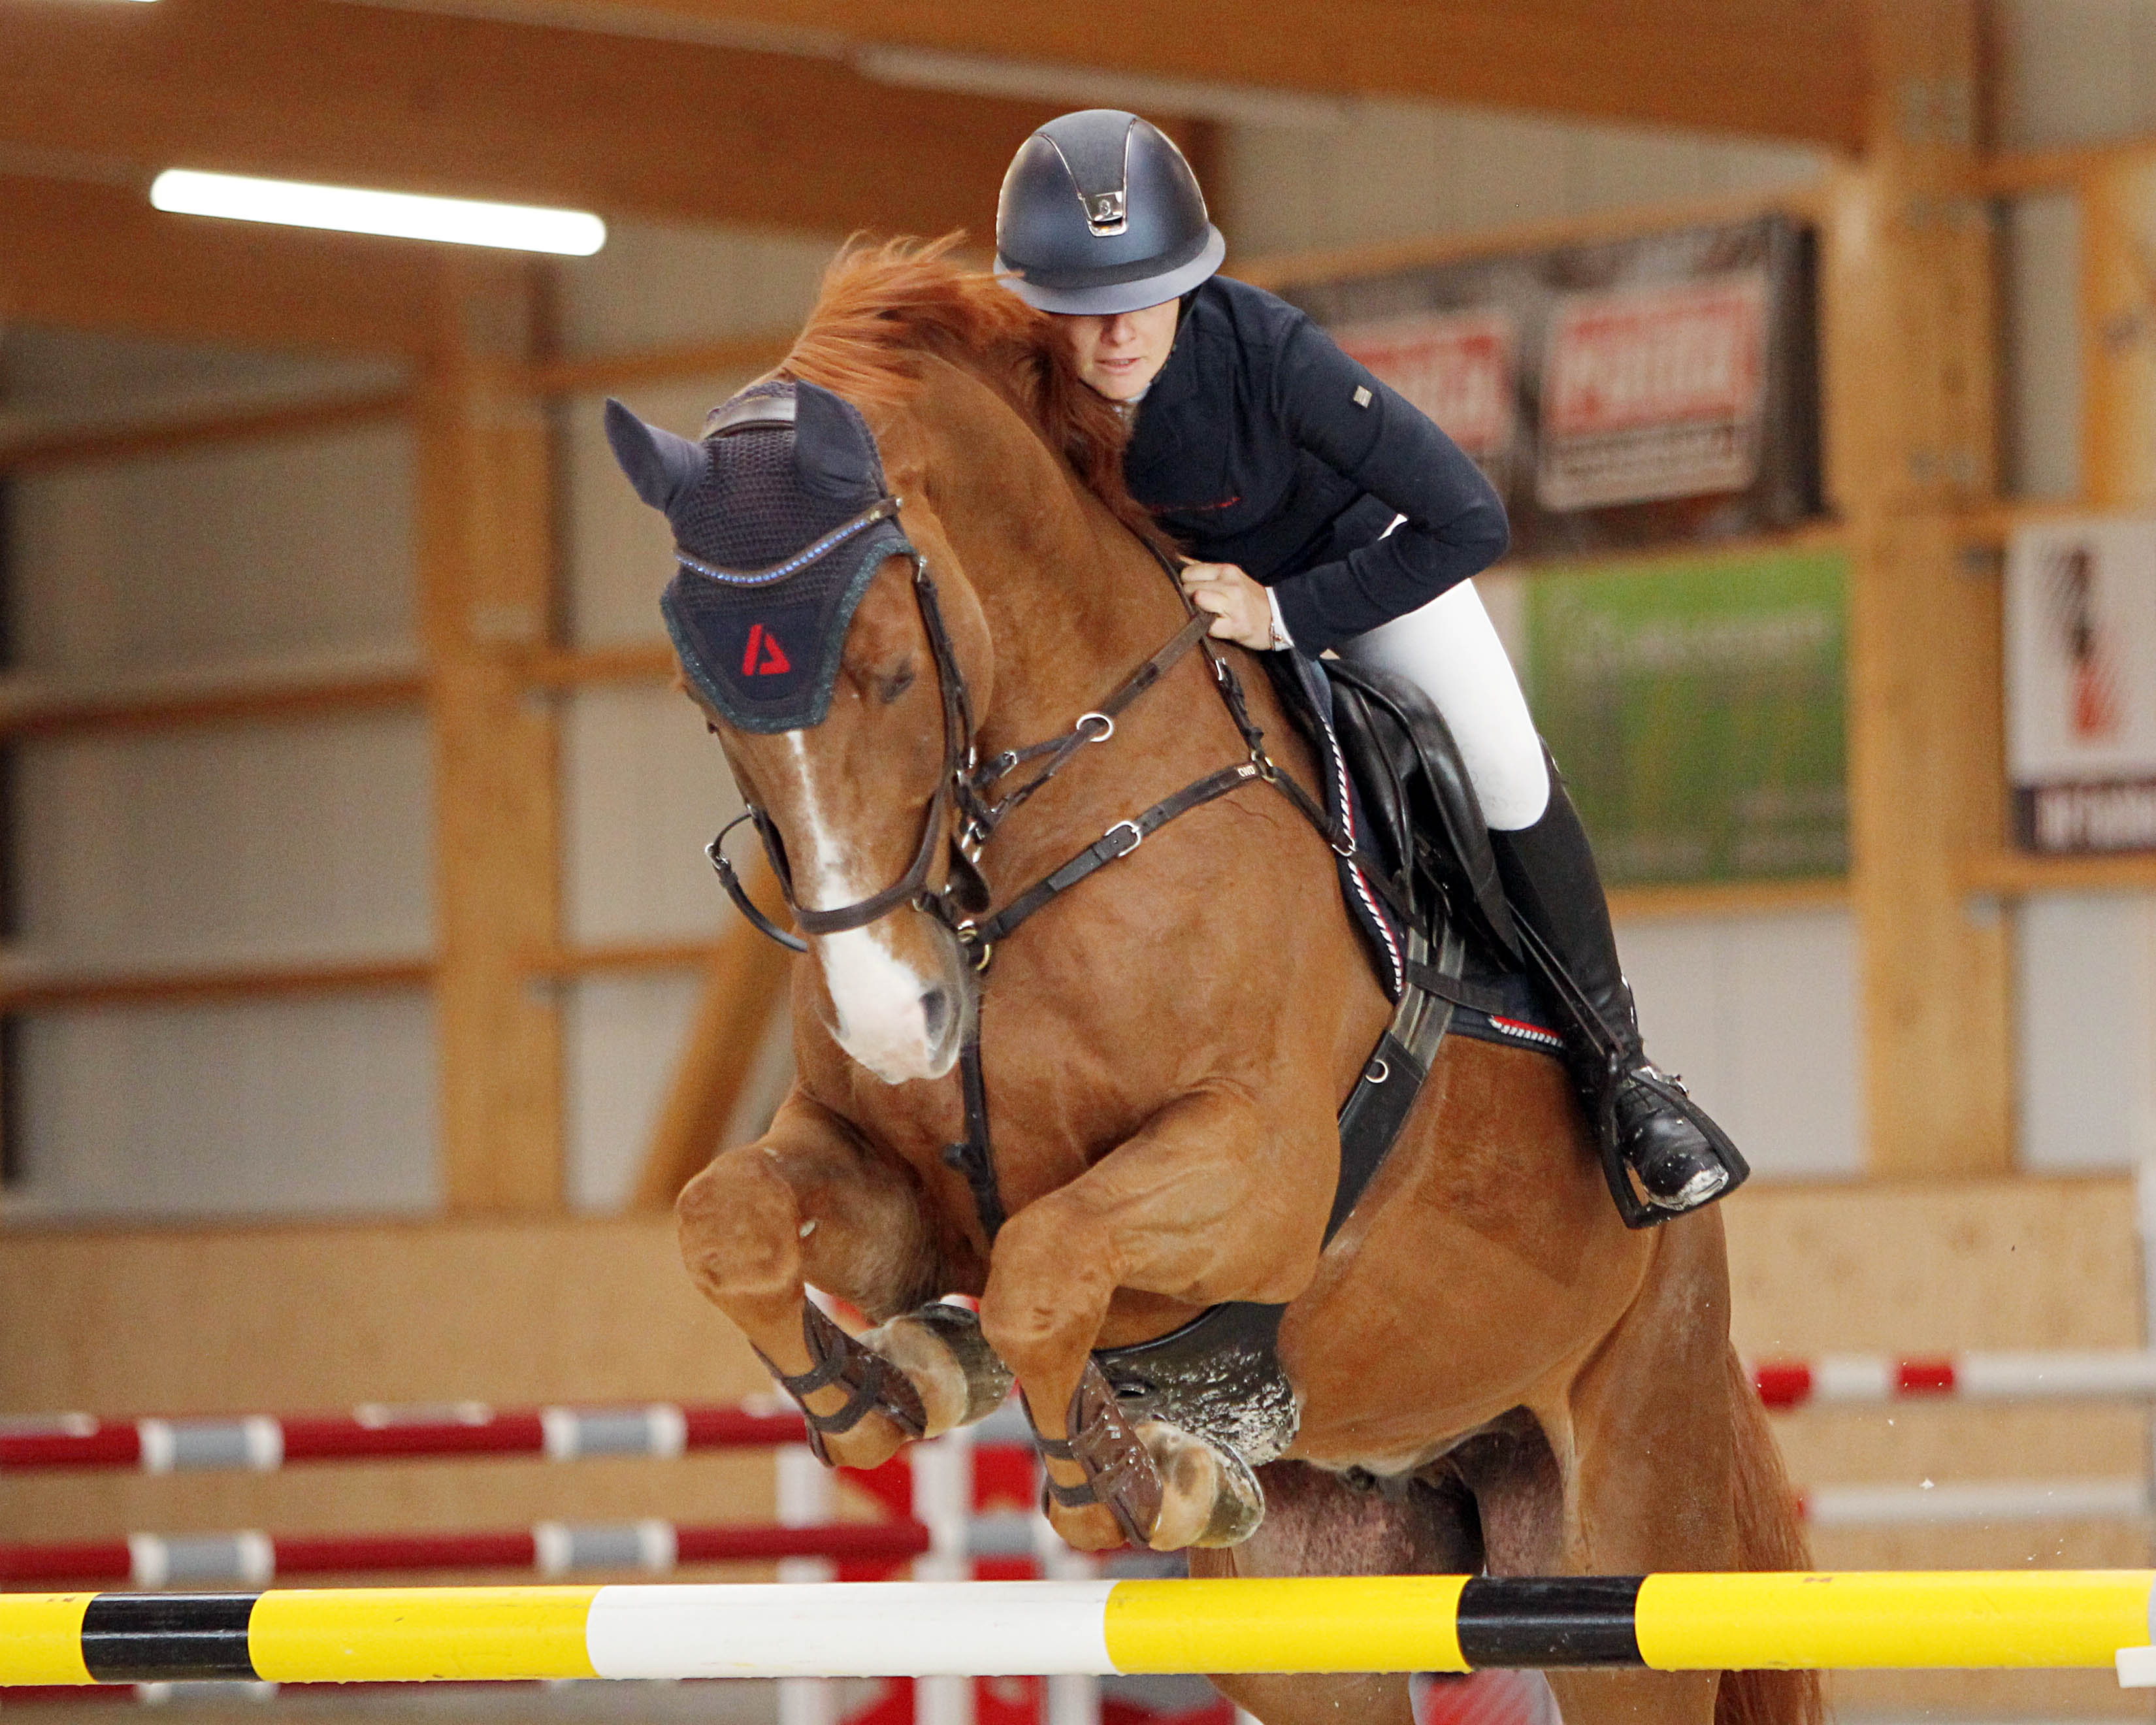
(1653, 392)
(1646, 391)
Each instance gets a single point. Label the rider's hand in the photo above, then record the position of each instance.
(1240, 610)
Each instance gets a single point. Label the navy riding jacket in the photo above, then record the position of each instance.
(1261, 443)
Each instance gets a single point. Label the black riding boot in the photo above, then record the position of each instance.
(1662, 1155)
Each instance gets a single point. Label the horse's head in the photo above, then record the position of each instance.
(810, 634)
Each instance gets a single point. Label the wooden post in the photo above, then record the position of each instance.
(1909, 399)
(2118, 333)
(744, 980)
(486, 580)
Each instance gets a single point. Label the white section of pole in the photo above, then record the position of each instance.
(2054, 1376)
(2144, 1221)
(1852, 1378)
(1075, 1697)
(850, 1629)
(2003, 1501)
(804, 1500)
(943, 1503)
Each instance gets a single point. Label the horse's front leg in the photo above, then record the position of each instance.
(811, 1202)
(1207, 1203)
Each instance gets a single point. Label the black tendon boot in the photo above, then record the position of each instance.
(1661, 1153)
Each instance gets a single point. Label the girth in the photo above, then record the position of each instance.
(1218, 1376)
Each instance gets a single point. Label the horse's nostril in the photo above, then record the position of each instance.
(936, 1012)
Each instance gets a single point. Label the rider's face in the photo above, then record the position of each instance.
(1119, 357)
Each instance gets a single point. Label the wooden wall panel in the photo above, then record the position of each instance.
(277, 1319)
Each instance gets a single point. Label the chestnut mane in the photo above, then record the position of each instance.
(880, 305)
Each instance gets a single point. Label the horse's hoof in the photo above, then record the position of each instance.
(1209, 1496)
(941, 1350)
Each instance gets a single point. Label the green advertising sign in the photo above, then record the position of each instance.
(1696, 707)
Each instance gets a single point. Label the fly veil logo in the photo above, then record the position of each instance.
(764, 657)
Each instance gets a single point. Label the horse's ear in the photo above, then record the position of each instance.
(660, 464)
(834, 453)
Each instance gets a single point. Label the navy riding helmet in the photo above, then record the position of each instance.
(1100, 214)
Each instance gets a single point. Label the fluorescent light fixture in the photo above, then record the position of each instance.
(402, 215)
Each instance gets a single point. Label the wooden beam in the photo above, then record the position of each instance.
(607, 372)
(83, 256)
(630, 662)
(746, 977)
(1385, 257)
(2118, 333)
(29, 992)
(2017, 172)
(1909, 389)
(625, 958)
(486, 562)
(2019, 874)
(38, 716)
(1727, 898)
(1790, 69)
(623, 125)
(193, 428)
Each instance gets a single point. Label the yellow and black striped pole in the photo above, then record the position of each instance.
(1431, 1623)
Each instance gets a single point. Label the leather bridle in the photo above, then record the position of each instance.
(963, 892)
(968, 784)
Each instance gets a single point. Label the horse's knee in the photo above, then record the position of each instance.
(739, 1229)
(1050, 1278)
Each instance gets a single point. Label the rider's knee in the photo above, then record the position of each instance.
(737, 1222)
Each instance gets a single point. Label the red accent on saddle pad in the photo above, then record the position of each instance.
(1925, 1377)
(1531, 1033)
(1783, 1384)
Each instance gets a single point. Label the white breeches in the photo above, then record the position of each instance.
(1450, 651)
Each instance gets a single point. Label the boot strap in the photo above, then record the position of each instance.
(1119, 1469)
(836, 1357)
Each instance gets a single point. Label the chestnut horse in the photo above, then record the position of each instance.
(1488, 1369)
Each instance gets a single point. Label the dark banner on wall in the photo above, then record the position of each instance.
(1632, 393)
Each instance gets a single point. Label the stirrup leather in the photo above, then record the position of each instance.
(1119, 1469)
(877, 1386)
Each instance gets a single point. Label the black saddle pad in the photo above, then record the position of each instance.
(1393, 773)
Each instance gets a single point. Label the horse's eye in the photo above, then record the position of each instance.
(711, 727)
(897, 683)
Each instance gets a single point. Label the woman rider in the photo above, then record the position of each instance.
(1324, 511)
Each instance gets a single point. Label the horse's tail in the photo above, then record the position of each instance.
(1769, 1536)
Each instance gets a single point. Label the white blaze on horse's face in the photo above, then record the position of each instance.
(896, 1022)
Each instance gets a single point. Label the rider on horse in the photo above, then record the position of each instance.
(1326, 512)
